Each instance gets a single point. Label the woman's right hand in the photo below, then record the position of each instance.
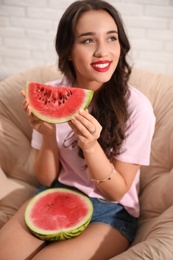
(41, 126)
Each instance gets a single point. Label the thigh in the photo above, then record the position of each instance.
(98, 242)
(114, 215)
(16, 241)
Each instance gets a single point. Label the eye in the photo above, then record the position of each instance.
(112, 38)
(87, 41)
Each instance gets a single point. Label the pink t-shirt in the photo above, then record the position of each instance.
(135, 149)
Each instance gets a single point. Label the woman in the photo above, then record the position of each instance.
(111, 139)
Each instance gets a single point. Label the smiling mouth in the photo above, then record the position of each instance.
(101, 66)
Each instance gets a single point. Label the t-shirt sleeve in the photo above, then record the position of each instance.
(140, 127)
(36, 140)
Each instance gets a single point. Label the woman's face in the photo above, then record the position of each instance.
(96, 50)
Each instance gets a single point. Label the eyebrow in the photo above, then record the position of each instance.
(92, 33)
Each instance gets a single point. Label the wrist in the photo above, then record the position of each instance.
(49, 138)
(92, 149)
(105, 178)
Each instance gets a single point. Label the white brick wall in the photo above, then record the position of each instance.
(28, 28)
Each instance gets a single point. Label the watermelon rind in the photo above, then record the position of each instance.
(59, 233)
(50, 116)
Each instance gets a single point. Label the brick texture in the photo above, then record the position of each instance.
(28, 28)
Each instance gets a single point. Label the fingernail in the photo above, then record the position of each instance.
(73, 120)
(81, 111)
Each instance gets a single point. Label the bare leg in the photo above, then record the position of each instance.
(98, 242)
(16, 242)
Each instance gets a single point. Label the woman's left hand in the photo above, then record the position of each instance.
(87, 129)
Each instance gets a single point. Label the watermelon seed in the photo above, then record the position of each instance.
(47, 208)
(39, 90)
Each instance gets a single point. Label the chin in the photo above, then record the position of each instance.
(105, 79)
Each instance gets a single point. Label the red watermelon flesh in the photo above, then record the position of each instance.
(56, 104)
(58, 214)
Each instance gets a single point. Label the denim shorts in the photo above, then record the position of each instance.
(107, 212)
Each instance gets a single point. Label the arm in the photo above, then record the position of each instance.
(46, 164)
(97, 162)
(100, 167)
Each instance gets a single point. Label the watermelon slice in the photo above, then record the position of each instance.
(56, 104)
(58, 214)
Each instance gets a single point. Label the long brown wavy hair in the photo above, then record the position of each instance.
(110, 106)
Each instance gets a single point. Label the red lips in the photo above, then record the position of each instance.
(101, 66)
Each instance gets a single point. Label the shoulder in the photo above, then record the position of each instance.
(138, 103)
(139, 129)
(60, 82)
(141, 115)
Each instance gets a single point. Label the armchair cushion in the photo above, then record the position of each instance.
(155, 229)
(17, 181)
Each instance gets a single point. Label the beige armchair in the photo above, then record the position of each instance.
(154, 239)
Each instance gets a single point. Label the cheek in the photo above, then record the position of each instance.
(117, 50)
(80, 54)
(118, 56)
(79, 60)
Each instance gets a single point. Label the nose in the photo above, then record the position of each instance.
(101, 50)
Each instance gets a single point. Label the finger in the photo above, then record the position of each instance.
(25, 103)
(71, 125)
(28, 110)
(74, 126)
(23, 92)
(26, 107)
(34, 121)
(88, 116)
(80, 127)
(85, 123)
